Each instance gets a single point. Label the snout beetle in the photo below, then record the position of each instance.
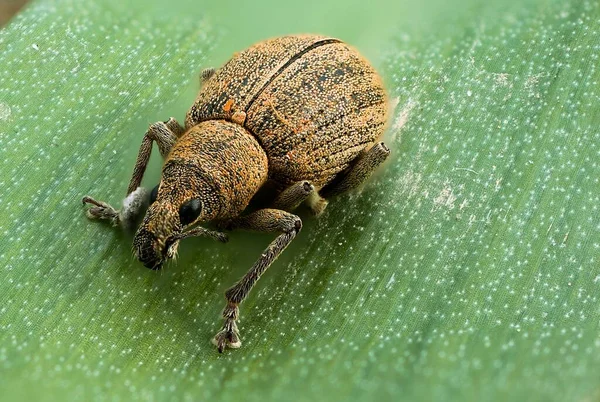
(302, 114)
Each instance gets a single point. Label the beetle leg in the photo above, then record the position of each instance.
(203, 232)
(206, 74)
(316, 203)
(101, 210)
(263, 220)
(360, 171)
(294, 195)
(127, 216)
(164, 134)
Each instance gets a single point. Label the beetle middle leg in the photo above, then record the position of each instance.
(164, 134)
(360, 171)
(299, 192)
(294, 195)
(263, 220)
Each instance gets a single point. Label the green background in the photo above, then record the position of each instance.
(466, 269)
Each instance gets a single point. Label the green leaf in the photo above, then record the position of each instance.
(466, 269)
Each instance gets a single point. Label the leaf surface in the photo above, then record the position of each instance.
(466, 269)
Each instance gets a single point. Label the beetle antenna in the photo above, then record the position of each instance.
(203, 232)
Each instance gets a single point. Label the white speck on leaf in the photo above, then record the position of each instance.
(401, 118)
(410, 183)
(391, 281)
(446, 197)
(5, 111)
(501, 79)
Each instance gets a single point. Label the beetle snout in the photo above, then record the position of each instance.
(146, 249)
(153, 264)
(151, 250)
(149, 258)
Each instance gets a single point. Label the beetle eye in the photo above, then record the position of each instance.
(189, 211)
(153, 194)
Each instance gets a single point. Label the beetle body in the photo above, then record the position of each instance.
(302, 113)
(312, 102)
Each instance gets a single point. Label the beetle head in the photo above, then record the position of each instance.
(175, 205)
(156, 239)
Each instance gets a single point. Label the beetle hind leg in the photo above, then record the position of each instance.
(359, 172)
(294, 195)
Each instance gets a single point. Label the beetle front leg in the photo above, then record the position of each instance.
(164, 134)
(263, 220)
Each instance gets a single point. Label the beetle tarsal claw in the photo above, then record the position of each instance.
(229, 336)
(226, 339)
(101, 210)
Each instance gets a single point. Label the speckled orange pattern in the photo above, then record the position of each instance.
(234, 85)
(230, 167)
(315, 117)
(312, 102)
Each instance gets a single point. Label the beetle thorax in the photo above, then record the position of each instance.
(226, 159)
